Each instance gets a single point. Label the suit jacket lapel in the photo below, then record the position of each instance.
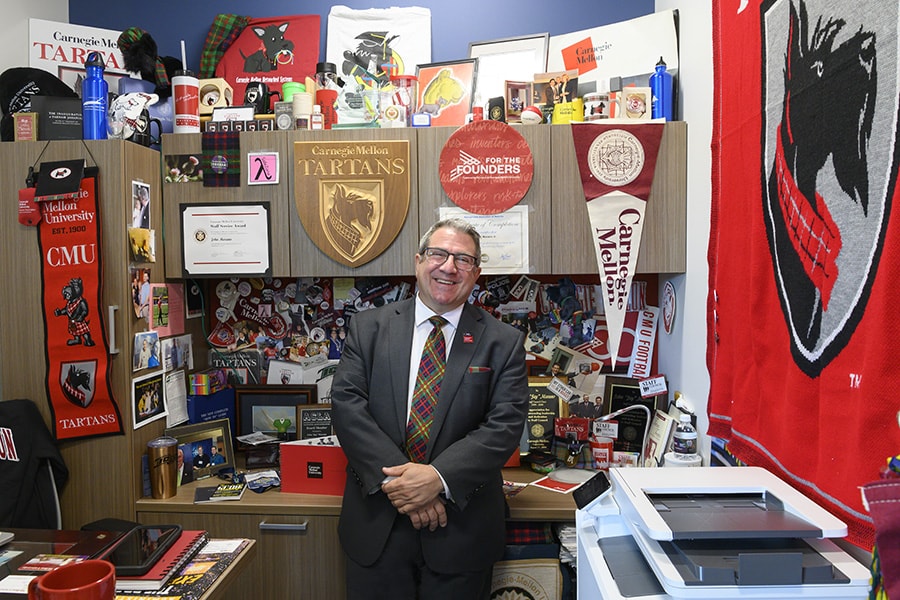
(399, 344)
(466, 341)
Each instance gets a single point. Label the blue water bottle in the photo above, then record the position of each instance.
(94, 99)
(661, 87)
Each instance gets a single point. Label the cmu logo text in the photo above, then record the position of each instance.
(8, 445)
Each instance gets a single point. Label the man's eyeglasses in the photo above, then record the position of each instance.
(438, 256)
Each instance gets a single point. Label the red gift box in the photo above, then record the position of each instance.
(313, 469)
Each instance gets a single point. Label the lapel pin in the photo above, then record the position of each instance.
(468, 339)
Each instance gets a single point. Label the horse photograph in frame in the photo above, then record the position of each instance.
(446, 90)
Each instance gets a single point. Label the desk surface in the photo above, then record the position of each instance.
(531, 504)
(30, 542)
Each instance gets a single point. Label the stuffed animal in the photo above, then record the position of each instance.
(140, 54)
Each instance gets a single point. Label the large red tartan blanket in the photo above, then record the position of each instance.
(803, 327)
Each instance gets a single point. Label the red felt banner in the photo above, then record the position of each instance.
(78, 387)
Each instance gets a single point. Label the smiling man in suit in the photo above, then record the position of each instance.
(423, 513)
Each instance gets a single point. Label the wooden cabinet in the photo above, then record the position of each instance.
(432, 196)
(664, 241)
(104, 473)
(297, 556)
(559, 238)
(280, 210)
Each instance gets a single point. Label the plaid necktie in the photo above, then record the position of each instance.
(425, 393)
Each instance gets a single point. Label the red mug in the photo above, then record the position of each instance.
(327, 100)
(85, 580)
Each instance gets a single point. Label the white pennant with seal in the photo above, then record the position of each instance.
(616, 162)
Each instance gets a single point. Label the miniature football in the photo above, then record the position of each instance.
(532, 115)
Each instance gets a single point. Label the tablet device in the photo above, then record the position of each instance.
(590, 490)
(139, 549)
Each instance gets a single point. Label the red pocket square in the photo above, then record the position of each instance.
(479, 369)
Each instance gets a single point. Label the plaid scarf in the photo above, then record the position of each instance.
(221, 159)
(222, 33)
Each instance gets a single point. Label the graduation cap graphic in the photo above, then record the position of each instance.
(59, 180)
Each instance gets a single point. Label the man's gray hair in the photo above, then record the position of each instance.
(460, 225)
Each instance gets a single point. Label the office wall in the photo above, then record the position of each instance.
(455, 23)
(14, 27)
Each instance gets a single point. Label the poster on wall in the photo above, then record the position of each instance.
(61, 49)
(611, 51)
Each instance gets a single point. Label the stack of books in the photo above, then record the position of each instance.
(176, 557)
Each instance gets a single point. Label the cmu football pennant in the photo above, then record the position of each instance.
(77, 354)
(616, 163)
(341, 190)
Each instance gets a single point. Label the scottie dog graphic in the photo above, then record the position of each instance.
(820, 212)
(77, 387)
(275, 50)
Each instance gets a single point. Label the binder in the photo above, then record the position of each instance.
(175, 558)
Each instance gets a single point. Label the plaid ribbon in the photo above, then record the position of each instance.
(222, 33)
(426, 391)
(221, 159)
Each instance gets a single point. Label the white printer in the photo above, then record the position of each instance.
(714, 533)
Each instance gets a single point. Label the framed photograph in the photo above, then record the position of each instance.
(271, 409)
(313, 421)
(518, 96)
(619, 393)
(204, 449)
(145, 353)
(501, 60)
(148, 399)
(446, 90)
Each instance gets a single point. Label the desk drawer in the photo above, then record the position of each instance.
(296, 556)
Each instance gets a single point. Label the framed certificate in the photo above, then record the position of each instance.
(226, 239)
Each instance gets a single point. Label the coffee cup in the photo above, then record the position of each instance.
(143, 129)
(85, 580)
(163, 458)
(257, 95)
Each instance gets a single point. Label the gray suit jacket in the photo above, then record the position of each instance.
(477, 425)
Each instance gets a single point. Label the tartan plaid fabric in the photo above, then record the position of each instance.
(221, 159)
(425, 393)
(224, 30)
(528, 532)
(133, 35)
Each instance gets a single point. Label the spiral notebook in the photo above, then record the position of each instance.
(179, 553)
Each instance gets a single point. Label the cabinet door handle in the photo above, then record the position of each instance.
(111, 318)
(263, 526)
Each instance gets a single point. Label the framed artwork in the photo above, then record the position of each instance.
(271, 409)
(446, 90)
(313, 421)
(204, 449)
(619, 393)
(507, 59)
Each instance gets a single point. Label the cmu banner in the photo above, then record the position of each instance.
(77, 354)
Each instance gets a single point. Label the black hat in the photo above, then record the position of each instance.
(18, 85)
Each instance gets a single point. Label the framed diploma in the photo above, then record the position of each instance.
(226, 239)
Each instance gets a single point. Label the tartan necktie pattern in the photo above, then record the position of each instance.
(426, 390)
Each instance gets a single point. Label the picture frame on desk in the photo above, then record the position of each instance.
(196, 442)
(260, 408)
(622, 392)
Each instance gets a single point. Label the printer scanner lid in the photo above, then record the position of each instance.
(718, 503)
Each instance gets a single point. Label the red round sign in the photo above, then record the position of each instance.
(486, 167)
